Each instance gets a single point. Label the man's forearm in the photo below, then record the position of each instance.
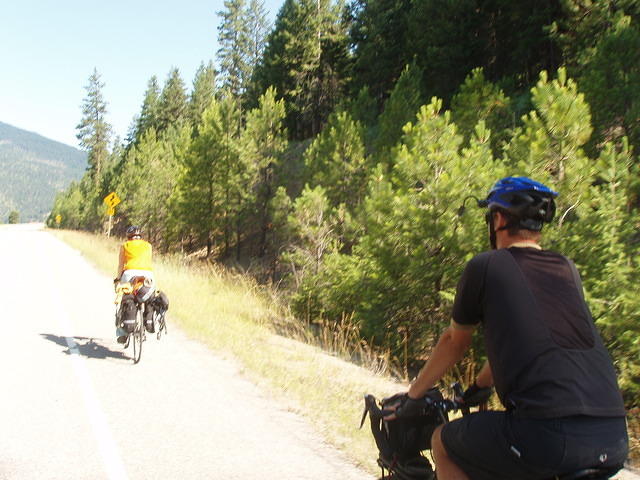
(485, 376)
(448, 351)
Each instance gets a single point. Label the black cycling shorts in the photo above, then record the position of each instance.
(499, 445)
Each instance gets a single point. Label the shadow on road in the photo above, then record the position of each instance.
(88, 347)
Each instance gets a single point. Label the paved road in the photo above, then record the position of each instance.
(73, 406)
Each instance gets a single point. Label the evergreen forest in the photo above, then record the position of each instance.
(329, 155)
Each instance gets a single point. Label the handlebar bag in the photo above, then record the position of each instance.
(402, 439)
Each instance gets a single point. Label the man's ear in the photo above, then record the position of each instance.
(500, 219)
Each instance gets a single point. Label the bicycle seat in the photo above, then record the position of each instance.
(593, 473)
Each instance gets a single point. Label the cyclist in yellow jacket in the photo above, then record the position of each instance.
(135, 256)
(135, 261)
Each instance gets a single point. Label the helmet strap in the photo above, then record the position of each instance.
(511, 222)
(492, 232)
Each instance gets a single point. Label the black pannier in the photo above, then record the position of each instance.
(161, 302)
(127, 312)
(401, 441)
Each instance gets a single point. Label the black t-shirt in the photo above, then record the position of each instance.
(546, 355)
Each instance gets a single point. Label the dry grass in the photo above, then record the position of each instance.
(233, 315)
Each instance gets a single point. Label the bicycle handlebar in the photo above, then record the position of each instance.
(441, 406)
(447, 405)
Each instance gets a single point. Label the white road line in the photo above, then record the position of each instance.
(108, 448)
(106, 444)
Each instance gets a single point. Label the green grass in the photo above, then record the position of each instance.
(236, 317)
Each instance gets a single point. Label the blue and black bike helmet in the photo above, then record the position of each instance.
(528, 202)
(134, 231)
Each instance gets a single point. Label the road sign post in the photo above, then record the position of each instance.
(111, 201)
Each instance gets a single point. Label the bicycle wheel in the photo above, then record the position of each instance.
(137, 334)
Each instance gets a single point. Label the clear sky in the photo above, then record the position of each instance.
(48, 50)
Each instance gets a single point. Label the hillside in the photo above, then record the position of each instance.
(34, 169)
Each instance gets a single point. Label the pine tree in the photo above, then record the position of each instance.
(172, 105)
(271, 71)
(611, 83)
(400, 108)
(291, 57)
(232, 171)
(195, 202)
(149, 178)
(302, 61)
(148, 117)
(258, 27)
(264, 142)
(235, 49)
(204, 89)
(379, 36)
(67, 205)
(336, 160)
(509, 40)
(609, 261)
(550, 148)
(403, 271)
(210, 193)
(477, 99)
(312, 226)
(363, 107)
(582, 23)
(93, 129)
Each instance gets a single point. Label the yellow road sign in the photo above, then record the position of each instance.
(58, 219)
(111, 211)
(112, 200)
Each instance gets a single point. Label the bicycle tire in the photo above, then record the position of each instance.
(137, 335)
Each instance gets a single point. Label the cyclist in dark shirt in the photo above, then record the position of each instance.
(546, 359)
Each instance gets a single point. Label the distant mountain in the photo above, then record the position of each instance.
(32, 170)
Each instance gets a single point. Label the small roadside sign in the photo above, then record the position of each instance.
(58, 219)
(111, 200)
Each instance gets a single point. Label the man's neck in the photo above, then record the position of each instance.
(523, 244)
(504, 240)
(526, 244)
